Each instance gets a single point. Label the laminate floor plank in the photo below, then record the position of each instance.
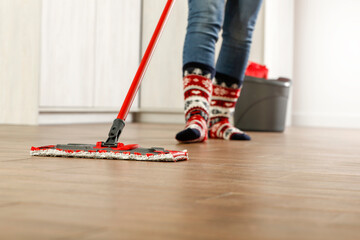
(300, 184)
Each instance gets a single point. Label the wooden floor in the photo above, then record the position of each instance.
(301, 184)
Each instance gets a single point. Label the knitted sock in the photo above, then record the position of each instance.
(222, 104)
(197, 92)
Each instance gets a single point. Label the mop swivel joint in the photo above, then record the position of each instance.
(114, 133)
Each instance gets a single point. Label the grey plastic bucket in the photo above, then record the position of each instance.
(262, 105)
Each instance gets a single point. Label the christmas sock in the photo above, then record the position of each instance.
(197, 93)
(222, 104)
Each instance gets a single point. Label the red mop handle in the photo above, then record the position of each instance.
(145, 62)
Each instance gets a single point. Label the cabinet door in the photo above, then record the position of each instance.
(90, 52)
(117, 52)
(162, 86)
(67, 53)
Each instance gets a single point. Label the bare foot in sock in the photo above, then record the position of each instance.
(197, 92)
(195, 131)
(224, 130)
(222, 104)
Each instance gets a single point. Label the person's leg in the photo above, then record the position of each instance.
(238, 27)
(204, 23)
(239, 23)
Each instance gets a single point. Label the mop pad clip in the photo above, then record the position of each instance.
(114, 133)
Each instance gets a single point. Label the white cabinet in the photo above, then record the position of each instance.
(67, 53)
(162, 86)
(19, 61)
(117, 50)
(90, 52)
(161, 90)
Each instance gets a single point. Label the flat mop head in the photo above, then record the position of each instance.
(121, 152)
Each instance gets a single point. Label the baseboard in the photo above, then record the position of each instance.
(159, 116)
(339, 120)
(78, 115)
(105, 115)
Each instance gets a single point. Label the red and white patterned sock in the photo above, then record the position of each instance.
(197, 93)
(223, 102)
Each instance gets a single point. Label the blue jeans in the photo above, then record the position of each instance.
(206, 19)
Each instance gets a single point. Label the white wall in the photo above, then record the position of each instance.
(278, 37)
(278, 40)
(326, 63)
(19, 61)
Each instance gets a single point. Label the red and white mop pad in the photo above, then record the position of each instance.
(121, 152)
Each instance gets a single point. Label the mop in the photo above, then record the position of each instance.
(111, 148)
